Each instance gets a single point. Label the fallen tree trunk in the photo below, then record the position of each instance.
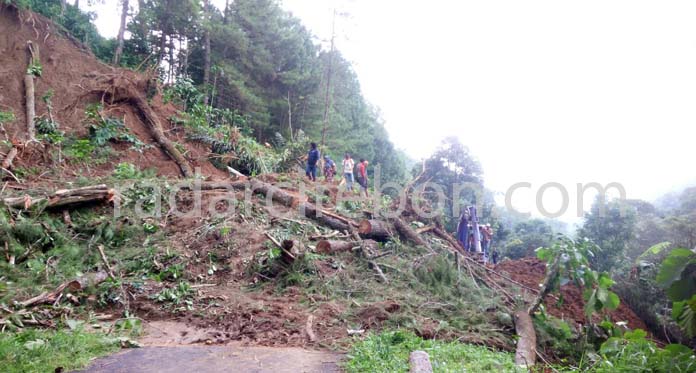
(447, 237)
(157, 132)
(280, 196)
(408, 233)
(64, 197)
(336, 246)
(525, 355)
(76, 284)
(374, 229)
(276, 194)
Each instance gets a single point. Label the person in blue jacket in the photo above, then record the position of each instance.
(312, 159)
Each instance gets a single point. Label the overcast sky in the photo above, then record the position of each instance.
(540, 91)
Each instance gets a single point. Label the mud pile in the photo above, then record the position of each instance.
(530, 272)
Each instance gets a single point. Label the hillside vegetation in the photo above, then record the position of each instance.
(163, 184)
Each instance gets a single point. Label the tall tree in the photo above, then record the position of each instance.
(121, 32)
(611, 225)
(206, 47)
(329, 73)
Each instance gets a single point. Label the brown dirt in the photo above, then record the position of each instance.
(73, 73)
(531, 271)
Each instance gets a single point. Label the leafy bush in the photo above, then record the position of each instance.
(632, 352)
(104, 129)
(6, 117)
(569, 261)
(128, 171)
(79, 150)
(389, 352)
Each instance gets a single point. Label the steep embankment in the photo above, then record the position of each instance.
(74, 79)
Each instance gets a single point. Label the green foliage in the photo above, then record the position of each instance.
(389, 352)
(35, 69)
(525, 237)
(6, 117)
(611, 225)
(557, 335)
(571, 258)
(32, 350)
(128, 171)
(632, 352)
(48, 130)
(677, 276)
(450, 166)
(80, 150)
(104, 129)
(180, 294)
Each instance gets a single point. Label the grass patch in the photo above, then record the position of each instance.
(46, 350)
(389, 352)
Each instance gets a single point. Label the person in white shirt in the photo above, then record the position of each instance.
(348, 165)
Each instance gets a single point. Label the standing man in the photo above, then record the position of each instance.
(348, 165)
(362, 176)
(312, 158)
(487, 233)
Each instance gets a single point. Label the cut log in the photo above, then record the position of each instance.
(76, 284)
(407, 233)
(308, 328)
(9, 158)
(332, 247)
(419, 361)
(64, 197)
(525, 355)
(158, 133)
(374, 229)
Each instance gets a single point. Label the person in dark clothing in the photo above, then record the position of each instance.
(463, 230)
(312, 159)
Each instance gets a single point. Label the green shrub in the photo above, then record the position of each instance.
(33, 350)
(389, 352)
(632, 352)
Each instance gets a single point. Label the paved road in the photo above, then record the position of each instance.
(204, 359)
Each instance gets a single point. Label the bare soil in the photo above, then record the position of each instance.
(531, 271)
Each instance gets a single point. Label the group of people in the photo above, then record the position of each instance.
(476, 237)
(329, 170)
